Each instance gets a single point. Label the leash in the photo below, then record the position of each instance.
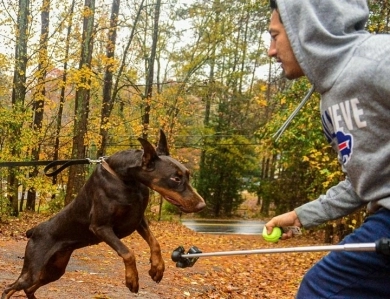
(184, 260)
(52, 164)
(67, 163)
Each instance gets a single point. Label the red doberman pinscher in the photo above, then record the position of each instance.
(109, 207)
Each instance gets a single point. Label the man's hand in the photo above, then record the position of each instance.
(283, 220)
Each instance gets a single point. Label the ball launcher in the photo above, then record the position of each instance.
(184, 260)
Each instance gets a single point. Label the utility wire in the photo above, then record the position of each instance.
(292, 115)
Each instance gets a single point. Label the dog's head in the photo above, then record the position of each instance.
(168, 176)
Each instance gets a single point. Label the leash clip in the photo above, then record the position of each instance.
(97, 161)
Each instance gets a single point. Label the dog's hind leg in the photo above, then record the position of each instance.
(106, 234)
(25, 280)
(51, 271)
(157, 267)
(7, 294)
(32, 278)
(20, 284)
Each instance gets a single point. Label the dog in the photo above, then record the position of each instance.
(109, 207)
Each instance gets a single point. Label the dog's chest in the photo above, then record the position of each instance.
(127, 216)
(127, 223)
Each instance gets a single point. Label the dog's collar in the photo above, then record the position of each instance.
(108, 168)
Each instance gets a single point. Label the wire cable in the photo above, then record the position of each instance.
(292, 115)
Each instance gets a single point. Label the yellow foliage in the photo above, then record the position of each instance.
(263, 88)
(261, 102)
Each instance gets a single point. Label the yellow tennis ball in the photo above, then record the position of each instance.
(274, 236)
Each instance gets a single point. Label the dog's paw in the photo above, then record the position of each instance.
(156, 272)
(156, 275)
(132, 281)
(132, 286)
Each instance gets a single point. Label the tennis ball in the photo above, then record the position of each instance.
(274, 236)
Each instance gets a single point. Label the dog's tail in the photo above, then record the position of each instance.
(30, 232)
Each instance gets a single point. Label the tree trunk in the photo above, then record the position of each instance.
(13, 192)
(329, 233)
(209, 95)
(18, 96)
(110, 97)
(77, 173)
(39, 96)
(108, 77)
(150, 73)
(62, 94)
(160, 205)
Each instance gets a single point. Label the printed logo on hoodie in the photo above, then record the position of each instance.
(338, 117)
(345, 143)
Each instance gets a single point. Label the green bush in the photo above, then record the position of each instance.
(170, 209)
(56, 204)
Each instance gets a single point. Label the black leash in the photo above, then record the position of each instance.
(52, 164)
(67, 163)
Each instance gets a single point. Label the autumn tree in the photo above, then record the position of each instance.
(379, 18)
(18, 97)
(63, 80)
(224, 50)
(77, 172)
(149, 62)
(39, 97)
(108, 95)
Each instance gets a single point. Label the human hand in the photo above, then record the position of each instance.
(284, 220)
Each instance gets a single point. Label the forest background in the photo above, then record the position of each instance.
(85, 79)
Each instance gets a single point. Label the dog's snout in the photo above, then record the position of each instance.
(200, 206)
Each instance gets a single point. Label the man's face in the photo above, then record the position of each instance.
(280, 48)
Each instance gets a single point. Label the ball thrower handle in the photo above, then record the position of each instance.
(184, 260)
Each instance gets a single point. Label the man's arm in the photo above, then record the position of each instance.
(339, 201)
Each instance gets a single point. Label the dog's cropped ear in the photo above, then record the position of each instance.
(162, 147)
(149, 155)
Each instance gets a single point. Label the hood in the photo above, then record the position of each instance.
(323, 35)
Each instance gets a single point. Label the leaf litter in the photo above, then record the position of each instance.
(97, 272)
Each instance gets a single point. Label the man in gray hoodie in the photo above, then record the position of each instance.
(350, 68)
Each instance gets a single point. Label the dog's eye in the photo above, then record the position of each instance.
(176, 179)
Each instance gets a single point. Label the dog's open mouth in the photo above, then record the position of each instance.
(174, 202)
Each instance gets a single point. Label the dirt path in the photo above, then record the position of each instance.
(93, 272)
(97, 272)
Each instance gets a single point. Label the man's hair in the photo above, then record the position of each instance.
(273, 4)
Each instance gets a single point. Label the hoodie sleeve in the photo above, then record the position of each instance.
(339, 201)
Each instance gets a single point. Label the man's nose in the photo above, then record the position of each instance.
(272, 49)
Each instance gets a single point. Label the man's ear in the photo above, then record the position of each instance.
(149, 156)
(162, 147)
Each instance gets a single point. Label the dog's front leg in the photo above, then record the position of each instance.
(106, 234)
(157, 267)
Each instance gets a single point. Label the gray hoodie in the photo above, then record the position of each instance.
(350, 68)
